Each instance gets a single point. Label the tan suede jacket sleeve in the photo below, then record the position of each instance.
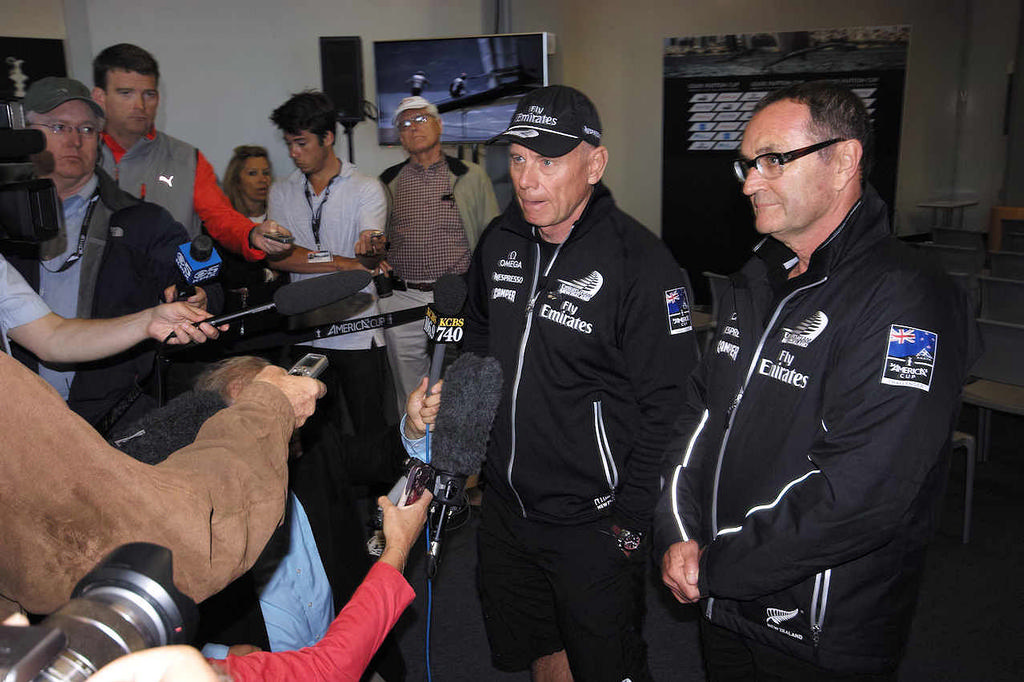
(67, 497)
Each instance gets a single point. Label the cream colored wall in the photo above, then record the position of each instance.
(612, 50)
(33, 19)
(226, 65)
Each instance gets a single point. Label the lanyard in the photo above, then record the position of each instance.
(316, 214)
(82, 234)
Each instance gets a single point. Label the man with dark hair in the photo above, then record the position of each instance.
(813, 448)
(327, 204)
(587, 313)
(154, 166)
(438, 207)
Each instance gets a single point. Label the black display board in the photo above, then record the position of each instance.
(711, 85)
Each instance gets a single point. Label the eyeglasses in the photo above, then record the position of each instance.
(407, 123)
(85, 129)
(770, 165)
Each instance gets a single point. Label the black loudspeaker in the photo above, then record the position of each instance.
(341, 68)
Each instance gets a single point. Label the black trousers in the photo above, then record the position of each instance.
(729, 657)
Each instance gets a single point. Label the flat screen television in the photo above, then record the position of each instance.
(474, 81)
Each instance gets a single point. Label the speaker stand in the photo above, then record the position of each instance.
(348, 126)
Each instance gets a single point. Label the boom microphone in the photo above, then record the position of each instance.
(469, 401)
(444, 324)
(305, 295)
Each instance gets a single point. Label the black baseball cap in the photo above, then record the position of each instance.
(552, 121)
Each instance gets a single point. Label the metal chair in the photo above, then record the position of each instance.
(954, 258)
(1002, 299)
(719, 285)
(999, 377)
(1007, 264)
(949, 236)
(967, 442)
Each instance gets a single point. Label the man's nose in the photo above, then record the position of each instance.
(754, 182)
(527, 177)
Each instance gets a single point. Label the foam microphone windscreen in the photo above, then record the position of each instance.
(469, 401)
(310, 294)
(449, 295)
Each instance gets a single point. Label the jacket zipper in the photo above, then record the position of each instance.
(604, 450)
(731, 412)
(819, 602)
(519, 361)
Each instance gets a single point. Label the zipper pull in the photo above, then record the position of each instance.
(732, 408)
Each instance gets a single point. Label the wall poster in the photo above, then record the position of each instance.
(711, 85)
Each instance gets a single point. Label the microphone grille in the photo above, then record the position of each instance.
(449, 295)
(310, 294)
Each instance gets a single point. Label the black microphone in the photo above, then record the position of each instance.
(469, 401)
(305, 295)
(198, 262)
(443, 323)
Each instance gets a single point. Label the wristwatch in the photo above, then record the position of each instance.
(628, 540)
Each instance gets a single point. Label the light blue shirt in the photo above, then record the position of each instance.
(60, 289)
(19, 304)
(296, 601)
(414, 448)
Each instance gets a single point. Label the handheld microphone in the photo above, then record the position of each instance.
(443, 324)
(305, 295)
(469, 401)
(198, 262)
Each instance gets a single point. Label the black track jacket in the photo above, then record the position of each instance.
(814, 447)
(595, 345)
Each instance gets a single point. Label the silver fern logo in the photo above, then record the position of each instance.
(805, 332)
(778, 616)
(583, 288)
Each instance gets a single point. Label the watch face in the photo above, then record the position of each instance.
(628, 540)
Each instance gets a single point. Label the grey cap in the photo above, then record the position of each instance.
(49, 93)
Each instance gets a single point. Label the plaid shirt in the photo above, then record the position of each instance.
(425, 231)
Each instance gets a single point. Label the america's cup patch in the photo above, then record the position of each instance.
(910, 357)
(678, 308)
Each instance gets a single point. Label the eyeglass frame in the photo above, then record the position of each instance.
(59, 128)
(406, 123)
(741, 167)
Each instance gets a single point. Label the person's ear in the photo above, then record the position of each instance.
(596, 163)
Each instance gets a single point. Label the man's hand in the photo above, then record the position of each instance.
(402, 526)
(258, 239)
(302, 392)
(679, 568)
(178, 319)
(421, 409)
(197, 299)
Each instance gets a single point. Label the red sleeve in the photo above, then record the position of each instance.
(224, 223)
(350, 642)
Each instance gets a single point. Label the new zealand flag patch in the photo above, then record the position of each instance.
(910, 357)
(678, 311)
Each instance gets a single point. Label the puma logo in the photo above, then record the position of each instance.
(167, 179)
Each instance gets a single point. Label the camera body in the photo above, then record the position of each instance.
(127, 603)
(29, 209)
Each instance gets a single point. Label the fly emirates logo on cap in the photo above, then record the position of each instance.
(535, 116)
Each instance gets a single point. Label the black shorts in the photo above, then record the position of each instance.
(545, 588)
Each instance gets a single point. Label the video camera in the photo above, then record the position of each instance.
(125, 604)
(29, 209)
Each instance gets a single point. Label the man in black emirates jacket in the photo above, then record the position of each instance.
(588, 314)
(813, 450)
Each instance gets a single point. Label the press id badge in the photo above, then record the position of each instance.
(319, 257)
